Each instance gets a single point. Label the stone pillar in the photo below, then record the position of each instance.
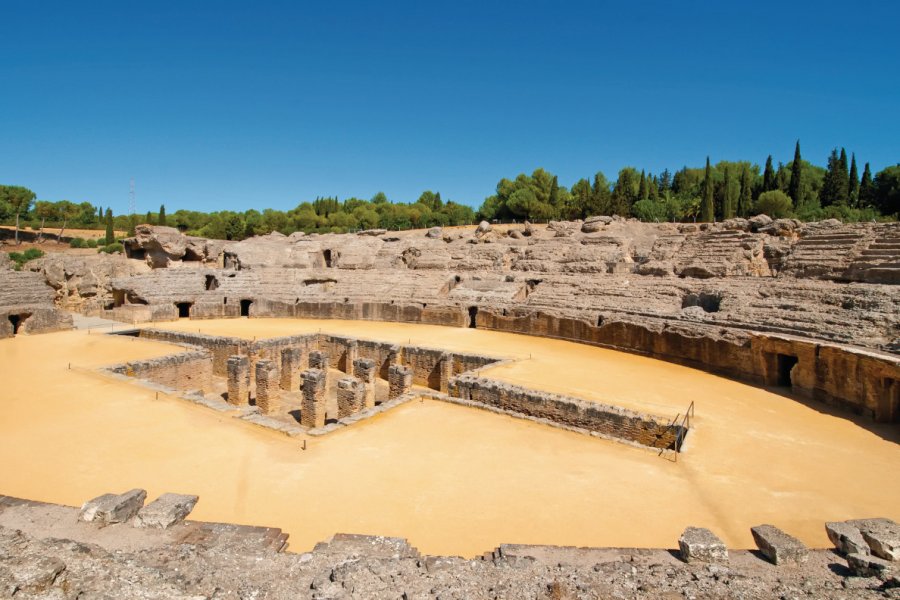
(399, 380)
(350, 396)
(318, 360)
(238, 367)
(364, 369)
(395, 355)
(446, 372)
(352, 355)
(312, 408)
(266, 385)
(290, 368)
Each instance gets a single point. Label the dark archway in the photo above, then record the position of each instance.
(245, 307)
(16, 323)
(786, 364)
(212, 283)
(473, 316)
(184, 309)
(326, 254)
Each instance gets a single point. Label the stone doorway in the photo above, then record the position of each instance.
(245, 307)
(786, 364)
(184, 309)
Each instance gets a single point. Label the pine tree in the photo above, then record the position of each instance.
(665, 181)
(796, 171)
(768, 176)
(653, 187)
(643, 192)
(110, 234)
(707, 206)
(149, 218)
(162, 214)
(743, 207)
(866, 189)
(600, 196)
(853, 193)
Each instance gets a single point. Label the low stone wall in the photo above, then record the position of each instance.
(607, 421)
(219, 347)
(185, 371)
(33, 320)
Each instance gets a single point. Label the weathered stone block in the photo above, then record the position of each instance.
(291, 359)
(864, 565)
(350, 397)
(400, 379)
(165, 511)
(779, 547)
(267, 385)
(884, 544)
(364, 369)
(238, 368)
(846, 538)
(113, 508)
(702, 545)
(318, 360)
(312, 408)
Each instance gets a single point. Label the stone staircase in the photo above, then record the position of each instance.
(826, 254)
(879, 262)
(722, 254)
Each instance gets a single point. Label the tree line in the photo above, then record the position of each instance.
(717, 191)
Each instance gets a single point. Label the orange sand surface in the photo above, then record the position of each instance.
(451, 479)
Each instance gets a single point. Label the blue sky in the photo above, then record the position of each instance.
(232, 105)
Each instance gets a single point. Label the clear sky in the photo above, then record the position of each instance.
(232, 105)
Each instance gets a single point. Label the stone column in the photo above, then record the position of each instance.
(399, 380)
(238, 367)
(290, 368)
(446, 371)
(312, 408)
(350, 396)
(318, 360)
(266, 385)
(364, 369)
(352, 355)
(395, 355)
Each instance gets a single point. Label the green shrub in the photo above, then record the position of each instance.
(20, 258)
(776, 204)
(91, 243)
(111, 248)
(78, 243)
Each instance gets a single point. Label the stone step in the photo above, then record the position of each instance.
(881, 251)
(878, 245)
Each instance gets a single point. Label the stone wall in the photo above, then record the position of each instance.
(608, 421)
(186, 371)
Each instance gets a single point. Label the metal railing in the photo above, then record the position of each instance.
(681, 425)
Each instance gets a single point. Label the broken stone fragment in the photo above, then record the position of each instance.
(483, 228)
(779, 547)
(871, 566)
(166, 511)
(882, 536)
(113, 508)
(30, 574)
(846, 538)
(434, 233)
(702, 545)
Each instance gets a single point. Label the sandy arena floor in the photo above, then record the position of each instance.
(451, 479)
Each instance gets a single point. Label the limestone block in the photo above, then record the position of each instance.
(884, 544)
(165, 511)
(871, 566)
(113, 508)
(350, 397)
(267, 385)
(483, 228)
(364, 369)
(435, 233)
(846, 538)
(291, 359)
(28, 575)
(399, 380)
(318, 360)
(238, 369)
(312, 408)
(779, 547)
(702, 545)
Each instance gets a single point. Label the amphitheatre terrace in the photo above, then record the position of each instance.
(601, 384)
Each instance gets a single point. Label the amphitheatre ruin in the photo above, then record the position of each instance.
(460, 412)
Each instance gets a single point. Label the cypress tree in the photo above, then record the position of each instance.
(853, 193)
(643, 192)
(730, 204)
(744, 199)
(707, 204)
(866, 189)
(829, 194)
(768, 176)
(110, 234)
(162, 213)
(653, 188)
(796, 170)
(554, 193)
(843, 180)
(99, 213)
(149, 218)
